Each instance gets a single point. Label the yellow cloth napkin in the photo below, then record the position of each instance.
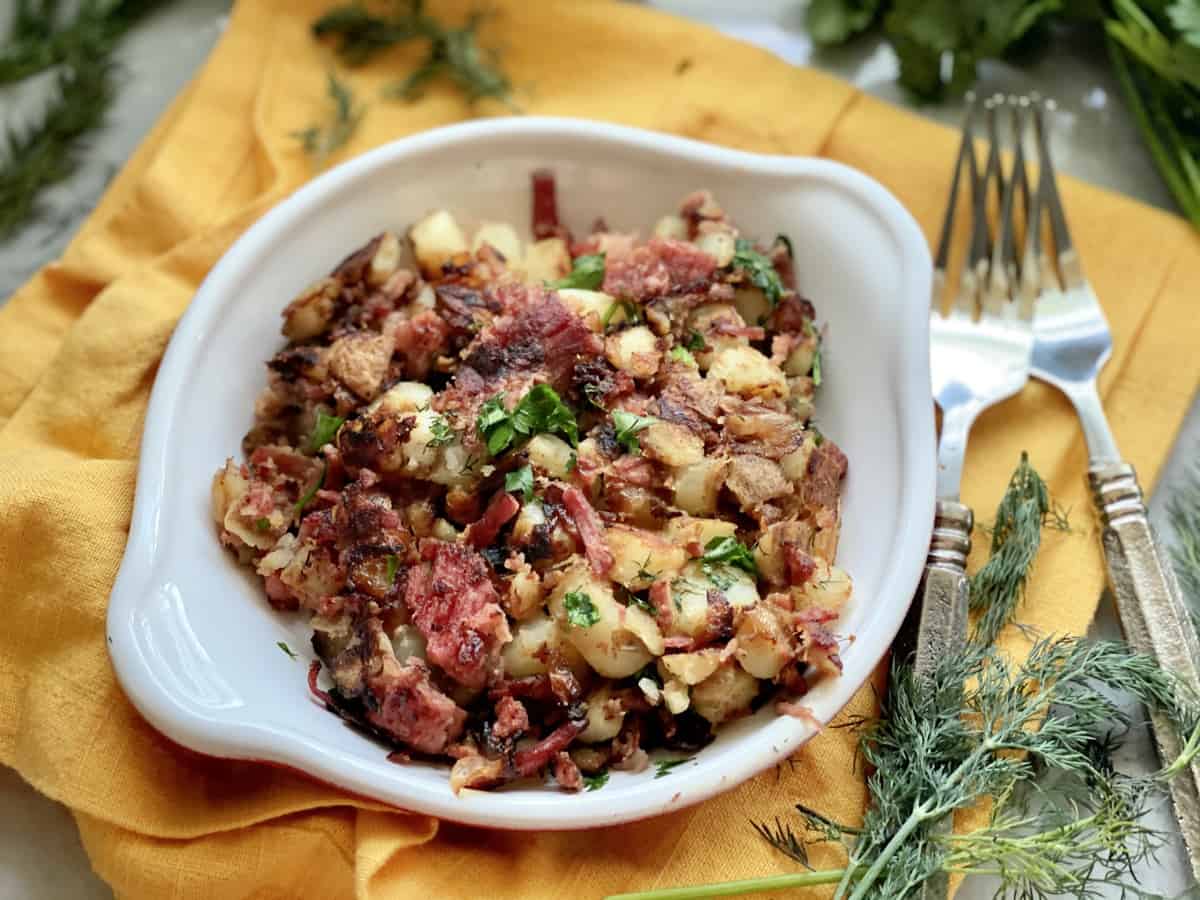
(80, 343)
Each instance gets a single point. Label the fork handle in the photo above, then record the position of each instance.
(937, 626)
(1154, 618)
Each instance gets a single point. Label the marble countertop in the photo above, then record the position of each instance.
(1092, 137)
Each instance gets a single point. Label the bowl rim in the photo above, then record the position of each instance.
(251, 740)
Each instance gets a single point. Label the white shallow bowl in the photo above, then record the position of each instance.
(192, 638)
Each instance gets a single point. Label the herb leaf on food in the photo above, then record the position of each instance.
(759, 270)
(627, 426)
(324, 431)
(596, 780)
(581, 611)
(729, 551)
(683, 355)
(307, 496)
(442, 432)
(286, 649)
(663, 767)
(520, 481)
(393, 567)
(587, 273)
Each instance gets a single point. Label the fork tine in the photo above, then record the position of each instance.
(1068, 260)
(975, 269)
(941, 259)
(1001, 274)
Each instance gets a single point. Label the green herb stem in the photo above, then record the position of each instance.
(735, 888)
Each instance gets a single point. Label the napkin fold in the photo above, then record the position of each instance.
(80, 344)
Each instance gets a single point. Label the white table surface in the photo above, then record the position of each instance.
(40, 854)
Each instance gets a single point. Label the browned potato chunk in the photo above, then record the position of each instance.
(639, 557)
(672, 444)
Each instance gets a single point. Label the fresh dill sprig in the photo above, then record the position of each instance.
(997, 588)
(321, 141)
(454, 53)
(49, 148)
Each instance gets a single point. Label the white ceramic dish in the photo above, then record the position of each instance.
(192, 638)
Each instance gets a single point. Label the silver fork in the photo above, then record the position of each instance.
(1072, 344)
(979, 355)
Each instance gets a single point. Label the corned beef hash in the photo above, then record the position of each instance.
(549, 504)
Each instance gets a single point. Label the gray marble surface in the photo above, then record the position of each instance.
(40, 854)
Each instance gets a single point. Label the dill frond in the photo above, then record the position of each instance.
(321, 141)
(1183, 513)
(997, 588)
(454, 53)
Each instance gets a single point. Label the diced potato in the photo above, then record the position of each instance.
(551, 455)
(727, 693)
(229, 489)
(705, 319)
(752, 305)
(312, 311)
(593, 307)
(746, 371)
(672, 444)
(650, 690)
(443, 530)
(800, 359)
(639, 557)
(610, 645)
(530, 517)
(675, 695)
(407, 641)
(502, 237)
(795, 464)
(435, 240)
(386, 260)
(697, 486)
(689, 595)
(604, 719)
(829, 588)
(690, 668)
(404, 396)
(634, 350)
(769, 554)
(359, 360)
(718, 244)
(547, 260)
(671, 227)
(534, 641)
(425, 457)
(763, 645)
(524, 594)
(683, 530)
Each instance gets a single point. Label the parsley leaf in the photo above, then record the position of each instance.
(286, 649)
(312, 491)
(729, 551)
(393, 566)
(642, 603)
(581, 612)
(324, 431)
(683, 355)
(628, 425)
(759, 270)
(443, 434)
(816, 365)
(520, 481)
(596, 780)
(695, 341)
(541, 411)
(836, 21)
(572, 462)
(663, 767)
(587, 273)
(262, 524)
(628, 307)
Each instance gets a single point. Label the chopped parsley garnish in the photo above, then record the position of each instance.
(263, 524)
(728, 551)
(663, 767)
(641, 603)
(572, 462)
(627, 426)
(581, 611)
(596, 780)
(324, 431)
(645, 574)
(442, 433)
(818, 438)
(695, 341)
(587, 273)
(719, 578)
(632, 316)
(759, 270)
(520, 481)
(286, 649)
(393, 566)
(312, 491)
(683, 355)
(540, 411)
